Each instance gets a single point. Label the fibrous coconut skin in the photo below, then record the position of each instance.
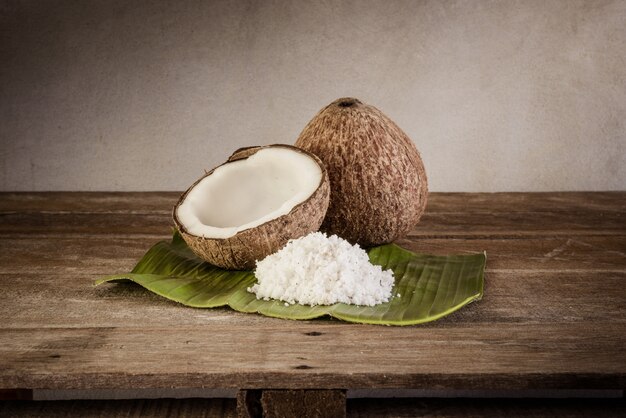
(377, 178)
(241, 251)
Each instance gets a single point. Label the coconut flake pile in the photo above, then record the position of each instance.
(321, 270)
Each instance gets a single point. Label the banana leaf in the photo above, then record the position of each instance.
(427, 287)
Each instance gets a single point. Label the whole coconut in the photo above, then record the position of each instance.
(377, 179)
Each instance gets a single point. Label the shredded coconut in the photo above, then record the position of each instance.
(321, 270)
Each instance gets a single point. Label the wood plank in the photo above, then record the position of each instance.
(533, 254)
(249, 403)
(486, 408)
(56, 275)
(104, 202)
(574, 202)
(356, 408)
(125, 224)
(302, 403)
(507, 214)
(88, 202)
(70, 300)
(91, 256)
(433, 224)
(304, 355)
(553, 316)
(102, 255)
(205, 408)
(512, 224)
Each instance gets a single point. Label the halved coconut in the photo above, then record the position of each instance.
(250, 206)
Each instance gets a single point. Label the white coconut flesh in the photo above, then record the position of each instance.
(247, 193)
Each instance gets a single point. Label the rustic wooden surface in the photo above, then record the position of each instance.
(356, 408)
(303, 403)
(553, 315)
(149, 408)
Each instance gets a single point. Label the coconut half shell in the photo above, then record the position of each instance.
(240, 251)
(377, 178)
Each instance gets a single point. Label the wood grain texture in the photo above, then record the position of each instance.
(314, 355)
(88, 202)
(149, 408)
(356, 408)
(163, 202)
(303, 403)
(69, 300)
(553, 315)
(433, 225)
(486, 408)
(528, 214)
(95, 255)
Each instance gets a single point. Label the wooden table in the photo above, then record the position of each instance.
(553, 315)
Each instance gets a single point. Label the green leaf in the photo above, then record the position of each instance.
(429, 286)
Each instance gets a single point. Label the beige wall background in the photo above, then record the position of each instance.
(145, 95)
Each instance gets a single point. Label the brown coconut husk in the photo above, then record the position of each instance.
(378, 183)
(241, 251)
